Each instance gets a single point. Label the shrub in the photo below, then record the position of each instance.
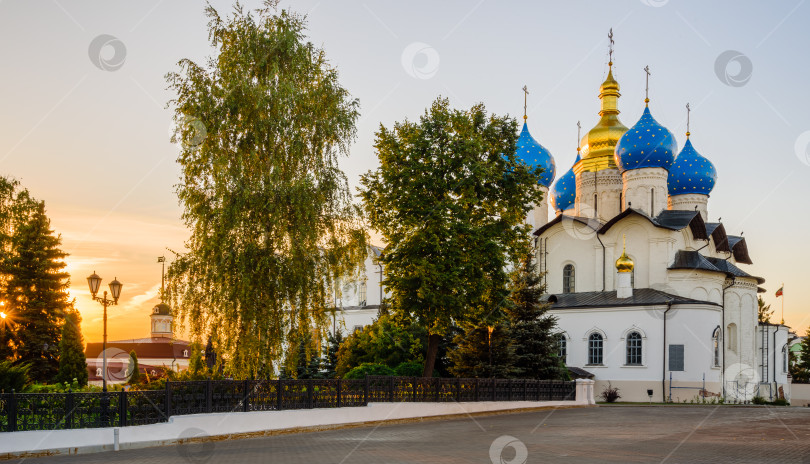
(13, 377)
(610, 394)
(759, 400)
(780, 402)
(365, 369)
(409, 369)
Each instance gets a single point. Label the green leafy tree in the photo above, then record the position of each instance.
(133, 370)
(800, 370)
(481, 352)
(531, 327)
(764, 311)
(261, 128)
(72, 362)
(303, 360)
(386, 341)
(450, 200)
(37, 294)
(361, 371)
(13, 376)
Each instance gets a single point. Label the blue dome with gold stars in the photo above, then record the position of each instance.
(646, 145)
(536, 156)
(691, 173)
(564, 191)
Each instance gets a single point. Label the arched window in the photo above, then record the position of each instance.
(633, 349)
(363, 293)
(98, 372)
(652, 202)
(185, 353)
(595, 348)
(784, 359)
(562, 347)
(731, 335)
(569, 279)
(595, 205)
(716, 347)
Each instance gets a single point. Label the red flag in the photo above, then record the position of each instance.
(779, 292)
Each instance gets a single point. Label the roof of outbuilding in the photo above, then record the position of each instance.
(668, 219)
(641, 297)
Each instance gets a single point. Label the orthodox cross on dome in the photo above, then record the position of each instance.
(688, 110)
(647, 86)
(610, 47)
(525, 99)
(579, 138)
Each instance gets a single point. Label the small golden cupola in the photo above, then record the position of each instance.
(599, 144)
(624, 263)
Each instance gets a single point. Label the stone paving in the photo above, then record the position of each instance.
(607, 434)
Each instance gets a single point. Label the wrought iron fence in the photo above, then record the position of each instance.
(52, 411)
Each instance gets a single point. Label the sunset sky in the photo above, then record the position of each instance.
(94, 143)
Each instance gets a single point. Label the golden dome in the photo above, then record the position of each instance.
(599, 143)
(624, 263)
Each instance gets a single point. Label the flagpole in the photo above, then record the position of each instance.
(783, 303)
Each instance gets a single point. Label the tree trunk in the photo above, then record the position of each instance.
(432, 350)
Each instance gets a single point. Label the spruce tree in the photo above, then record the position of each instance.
(532, 329)
(72, 362)
(37, 294)
(479, 353)
(133, 370)
(330, 358)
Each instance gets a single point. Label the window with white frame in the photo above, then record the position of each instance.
(716, 341)
(784, 359)
(633, 349)
(363, 292)
(595, 349)
(562, 347)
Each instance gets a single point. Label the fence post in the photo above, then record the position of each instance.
(537, 396)
(208, 395)
(279, 394)
(122, 408)
(391, 389)
(413, 388)
(12, 412)
(477, 384)
(168, 399)
(365, 392)
(494, 385)
(438, 382)
(69, 409)
(525, 389)
(339, 392)
(105, 409)
(310, 394)
(245, 395)
(458, 389)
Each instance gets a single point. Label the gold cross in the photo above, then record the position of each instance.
(610, 48)
(525, 97)
(647, 89)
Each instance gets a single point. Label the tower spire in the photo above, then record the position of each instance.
(525, 99)
(647, 86)
(162, 260)
(579, 137)
(610, 48)
(688, 110)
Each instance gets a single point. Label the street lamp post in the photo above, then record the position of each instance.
(94, 281)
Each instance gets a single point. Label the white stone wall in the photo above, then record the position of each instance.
(606, 187)
(645, 189)
(688, 202)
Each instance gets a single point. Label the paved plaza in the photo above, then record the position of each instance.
(615, 434)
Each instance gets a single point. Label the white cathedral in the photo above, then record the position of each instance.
(647, 290)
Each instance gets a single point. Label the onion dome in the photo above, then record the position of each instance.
(564, 191)
(624, 263)
(536, 156)
(599, 144)
(647, 144)
(691, 173)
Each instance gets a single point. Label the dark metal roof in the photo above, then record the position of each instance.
(593, 223)
(693, 260)
(740, 249)
(718, 233)
(668, 219)
(579, 373)
(641, 297)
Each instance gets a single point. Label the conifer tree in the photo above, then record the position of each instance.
(531, 327)
(330, 358)
(196, 365)
(37, 294)
(133, 370)
(72, 362)
(481, 352)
